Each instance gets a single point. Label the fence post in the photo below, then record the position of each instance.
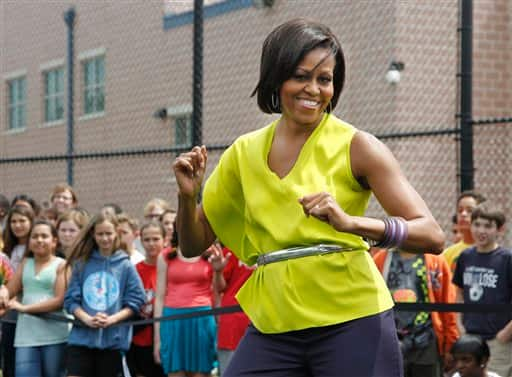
(197, 110)
(466, 121)
(69, 18)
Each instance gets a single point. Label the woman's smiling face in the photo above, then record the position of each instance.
(305, 96)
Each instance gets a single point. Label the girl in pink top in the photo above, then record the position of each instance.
(186, 347)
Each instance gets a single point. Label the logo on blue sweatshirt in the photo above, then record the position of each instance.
(101, 290)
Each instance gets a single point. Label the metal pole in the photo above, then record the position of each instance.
(69, 18)
(197, 111)
(466, 122)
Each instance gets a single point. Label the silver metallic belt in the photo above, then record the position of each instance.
(299, 252)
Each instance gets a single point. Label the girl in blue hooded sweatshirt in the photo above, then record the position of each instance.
(104, 289)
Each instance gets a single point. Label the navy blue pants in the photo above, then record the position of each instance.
(8, 351)
(365, 347)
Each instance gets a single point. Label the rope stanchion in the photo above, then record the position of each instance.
(201, 313)
(459, 308)
(51, 316)
(400, 306)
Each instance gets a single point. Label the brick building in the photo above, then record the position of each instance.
(134, 58)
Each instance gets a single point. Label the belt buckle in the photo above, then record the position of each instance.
(319, 249)
(326, 248)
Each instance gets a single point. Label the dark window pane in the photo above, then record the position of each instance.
(89, 102)
(59, 80)
(21, 92)
(59, 108)
(12, 93)
(100, 99)
(12, 117)
(47, 83)
(100, 70)
(183, 130)
(89, 73)
(21, 117)
(47, 117)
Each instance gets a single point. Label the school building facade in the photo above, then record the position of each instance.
(133, 59)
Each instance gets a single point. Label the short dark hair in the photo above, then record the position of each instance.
(479, 198)
(27, 199)
(4, 203)
(488, 212)
(115, 207)
(474, 345)
(174, 238)
(283, 50)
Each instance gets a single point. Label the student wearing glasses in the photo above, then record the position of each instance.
(63, 198)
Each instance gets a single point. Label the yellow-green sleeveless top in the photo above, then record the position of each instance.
(253, 211)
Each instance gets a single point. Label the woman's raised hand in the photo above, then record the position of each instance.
(189, 169)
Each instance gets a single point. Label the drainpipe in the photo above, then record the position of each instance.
(197, 92)
(69, 18)
(466, 121)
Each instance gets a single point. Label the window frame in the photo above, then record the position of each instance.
(187, 126)
(96, 87)
(19, 104)
(53, 96)
(83, 57)
(179, 113)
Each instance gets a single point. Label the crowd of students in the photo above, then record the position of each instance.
(103, 269)
(474, 269)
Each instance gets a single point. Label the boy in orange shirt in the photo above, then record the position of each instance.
(426, 338)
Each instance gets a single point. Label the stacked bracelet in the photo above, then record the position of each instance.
(395, 233)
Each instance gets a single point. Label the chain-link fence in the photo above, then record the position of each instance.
(493, 169)
(133, 85)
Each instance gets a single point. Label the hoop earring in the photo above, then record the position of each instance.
(276, 106)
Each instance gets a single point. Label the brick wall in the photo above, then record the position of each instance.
(149, 67)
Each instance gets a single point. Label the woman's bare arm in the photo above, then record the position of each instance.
(374, 163)
(375, 167)
(194, 231)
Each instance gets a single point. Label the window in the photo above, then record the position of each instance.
(54, 95)
(94, 85)
(180, 12)
(16, 107)
(180, 7)
(183, 130)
